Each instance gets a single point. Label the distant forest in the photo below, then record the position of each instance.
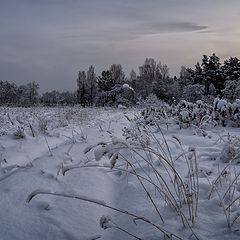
(207, 80)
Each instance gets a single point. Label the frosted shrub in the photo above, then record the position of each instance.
(221, 110)
(19, 133)
(199, 114)
(184, 118)
(156, 115)
(228, 153)
(227, 114)
(42, 126)
(41, 120)
(234, 112)
(230, 150)
(136, 134)
(226, 185)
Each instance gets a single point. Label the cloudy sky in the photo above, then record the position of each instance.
(49, 41)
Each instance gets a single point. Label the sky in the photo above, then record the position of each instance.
(49, 41)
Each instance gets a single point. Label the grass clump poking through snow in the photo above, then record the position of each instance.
(225, 186)
(152, 163)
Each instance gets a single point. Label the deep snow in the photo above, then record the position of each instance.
(28, 165)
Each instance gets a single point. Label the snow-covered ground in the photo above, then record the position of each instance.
(61, 162)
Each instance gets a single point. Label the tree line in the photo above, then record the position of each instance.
(208, 79)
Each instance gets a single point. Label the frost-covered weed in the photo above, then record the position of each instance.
(173, 188)
(19, 133)
(177, 190)
(228, 152)
(225, 186)
(230, 149)
(41, 120)
(42, 126)
(199, 114)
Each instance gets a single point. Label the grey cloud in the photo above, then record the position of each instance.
(41, 2)
(137, 30)
(178, 27)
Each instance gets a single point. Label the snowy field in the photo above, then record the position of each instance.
(85, 174)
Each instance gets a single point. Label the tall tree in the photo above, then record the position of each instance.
(212, 73)
(186, 77)
(198, 75)
(105, 82)
(161, 81)
(231, 69)
(147, 73)
(8, 93)
(117, 73)
(82, 93)
(92, 85)
(33, 92)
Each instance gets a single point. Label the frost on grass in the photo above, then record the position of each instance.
(89, 148)
(228, 153)
(64, 194)
(95, 237)
(113, 159)
(110, 150)
(34, 121)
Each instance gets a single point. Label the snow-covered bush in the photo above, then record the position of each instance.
(226, 113)
(199, 114)
(154, 115)
(228, 152)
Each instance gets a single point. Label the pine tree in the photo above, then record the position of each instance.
(198, 75)
(186, 77)
(231, 69)
(105, 82)
(212, 73)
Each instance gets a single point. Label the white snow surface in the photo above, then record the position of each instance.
(62, 162)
